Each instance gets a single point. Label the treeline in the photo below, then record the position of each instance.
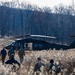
(20, 19)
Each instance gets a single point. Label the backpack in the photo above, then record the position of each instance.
(11, 52)
(38, 66)
(51, 66)
(58, 69)
(21, 52)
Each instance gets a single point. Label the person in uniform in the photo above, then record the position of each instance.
(13, 62)
(37, 67)
(51, 67)
(58, 68)
(3, 55)
(21, 54)
(11, 52)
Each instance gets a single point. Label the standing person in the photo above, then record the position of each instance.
(3, 55)
(52, 67)
(37, 67)
(21, 54)
(58, 68)
(11, 52)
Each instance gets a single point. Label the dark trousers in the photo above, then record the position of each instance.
(21, 58)
(3, 59)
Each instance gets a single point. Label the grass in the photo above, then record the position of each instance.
(66, 58)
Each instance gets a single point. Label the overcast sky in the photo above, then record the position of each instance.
(48, 3)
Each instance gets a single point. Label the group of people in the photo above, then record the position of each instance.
(11, 54)
(53, 68)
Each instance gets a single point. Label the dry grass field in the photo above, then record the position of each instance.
(65, 58)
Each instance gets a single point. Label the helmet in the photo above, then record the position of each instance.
(38, 58)
(51, 61)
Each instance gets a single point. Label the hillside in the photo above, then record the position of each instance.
(17, 22)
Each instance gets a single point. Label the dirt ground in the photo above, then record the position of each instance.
(4, 42)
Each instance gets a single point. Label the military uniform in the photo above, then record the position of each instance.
(21, 54)
(13, 62)
(3, 55)
(51, 67)
(11, 52)
(39, 66)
